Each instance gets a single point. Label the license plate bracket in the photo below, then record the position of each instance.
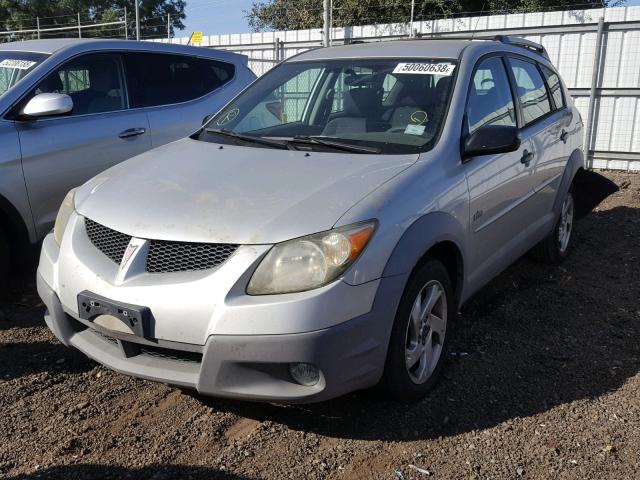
(93, 307)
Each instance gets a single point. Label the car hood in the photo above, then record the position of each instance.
(196, 191)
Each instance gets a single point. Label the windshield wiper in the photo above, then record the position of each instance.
(248, 138)
(347, 147)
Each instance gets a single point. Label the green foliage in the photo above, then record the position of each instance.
(303, 14)
(22, 14)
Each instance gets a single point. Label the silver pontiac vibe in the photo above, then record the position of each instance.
(318, 235)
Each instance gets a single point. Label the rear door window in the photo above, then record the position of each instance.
(164, 79)
(531, 90)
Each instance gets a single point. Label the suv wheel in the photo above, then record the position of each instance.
(555, 247)
(419, 338)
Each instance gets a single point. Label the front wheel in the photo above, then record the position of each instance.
(556, 246)
(419, 338)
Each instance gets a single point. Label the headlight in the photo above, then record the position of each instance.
(310, 262)
(66, 209)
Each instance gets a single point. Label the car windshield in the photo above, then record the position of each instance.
(360, 106)
(14, 66)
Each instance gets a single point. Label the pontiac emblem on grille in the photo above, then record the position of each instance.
(128, 253)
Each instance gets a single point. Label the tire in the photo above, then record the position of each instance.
(555, 248)
(418, 343)
(5, 262)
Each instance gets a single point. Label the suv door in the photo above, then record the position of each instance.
(177, 91)
(499, 185)
(62, 152)
(543, 125)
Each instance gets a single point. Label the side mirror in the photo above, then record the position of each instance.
(47, 104)
(490, 140)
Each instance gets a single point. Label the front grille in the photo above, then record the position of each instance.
(156, 352)
(106, 338)
(163, 256)
(111, 243)
(166, 257)
(171, 354)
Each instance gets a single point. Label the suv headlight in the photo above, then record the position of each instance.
(66, 209)
(310, 262)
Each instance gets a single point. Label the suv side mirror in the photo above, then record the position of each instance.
(490, 140)
(46, 104)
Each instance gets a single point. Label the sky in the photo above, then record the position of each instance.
(226, 16)
(216, 16)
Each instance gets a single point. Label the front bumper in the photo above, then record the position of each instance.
(253, 367)
(350, 352)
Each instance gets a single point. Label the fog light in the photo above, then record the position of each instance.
(304, 373)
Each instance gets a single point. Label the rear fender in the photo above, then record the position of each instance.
(574, 164)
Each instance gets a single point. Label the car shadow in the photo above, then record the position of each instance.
(19, 359)
(110, 472)
(20, 305)
(590, 189)
(536, 338)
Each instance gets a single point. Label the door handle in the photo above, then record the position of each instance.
(132, 132)
(527, 156)
(564, 135)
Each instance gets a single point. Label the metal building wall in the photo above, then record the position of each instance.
(570, 37)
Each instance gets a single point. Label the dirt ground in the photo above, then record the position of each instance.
(543, 382)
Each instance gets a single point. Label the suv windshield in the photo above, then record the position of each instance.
(14, 66)
(386, 106)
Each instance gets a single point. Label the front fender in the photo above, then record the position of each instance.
(423, 234)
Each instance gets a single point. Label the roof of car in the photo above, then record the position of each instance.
(450, 48)
(438, 47)
(54, 45)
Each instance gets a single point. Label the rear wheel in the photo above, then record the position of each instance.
(419, 338)
(556, 246)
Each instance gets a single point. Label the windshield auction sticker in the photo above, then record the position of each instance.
(429, 68)
(228, 117)
(19, 64)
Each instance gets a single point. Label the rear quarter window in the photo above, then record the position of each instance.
(553, 82)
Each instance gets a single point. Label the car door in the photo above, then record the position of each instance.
(62, 152)
(499, 185)
(543, 125)
(177, 91)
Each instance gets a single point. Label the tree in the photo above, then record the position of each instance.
(303, 14)
(22, 14)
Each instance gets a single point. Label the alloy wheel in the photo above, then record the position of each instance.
(426, 331)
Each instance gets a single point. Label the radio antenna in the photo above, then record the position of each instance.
(473, 34)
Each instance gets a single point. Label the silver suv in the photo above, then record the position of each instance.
(319, 234)
(69, 109)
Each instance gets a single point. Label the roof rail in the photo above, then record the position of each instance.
(522, 42)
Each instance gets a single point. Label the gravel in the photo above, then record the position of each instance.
(543, 382)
